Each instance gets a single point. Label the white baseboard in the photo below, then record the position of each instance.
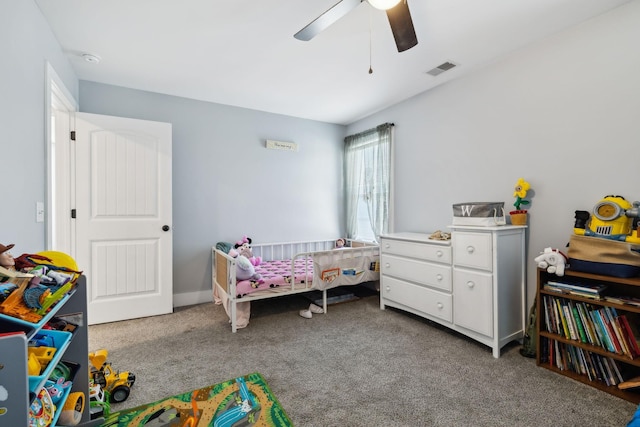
(192, 298)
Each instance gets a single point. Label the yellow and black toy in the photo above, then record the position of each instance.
(613, 218)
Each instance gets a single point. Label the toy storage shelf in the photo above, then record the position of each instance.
(14, 337)
(590, 361)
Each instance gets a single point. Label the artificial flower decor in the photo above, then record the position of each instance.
(520, 193)
(519, 216)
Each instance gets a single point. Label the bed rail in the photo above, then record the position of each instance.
(287, 250)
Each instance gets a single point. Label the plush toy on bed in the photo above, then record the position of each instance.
(552, 260)
(243, 247)
(246, 271)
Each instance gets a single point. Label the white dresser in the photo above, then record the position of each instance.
(473, 284)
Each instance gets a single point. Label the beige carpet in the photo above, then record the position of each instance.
(354, 366)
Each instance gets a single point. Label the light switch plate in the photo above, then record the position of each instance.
(39, 212)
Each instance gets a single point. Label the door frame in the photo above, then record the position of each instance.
(58, 97)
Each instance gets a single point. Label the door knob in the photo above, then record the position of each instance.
(165, 228)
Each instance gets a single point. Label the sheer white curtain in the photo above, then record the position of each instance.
(368, 180)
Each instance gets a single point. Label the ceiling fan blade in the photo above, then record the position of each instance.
(402, 26)
(323, 21)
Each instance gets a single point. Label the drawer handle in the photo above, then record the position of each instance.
(387, 265)
(388, 288)
(387, 246)
(439, 277)
(470, 249)
(470, 284)
(440, 306)
(439, 254)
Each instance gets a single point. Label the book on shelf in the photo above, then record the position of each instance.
(614, 319)
(608, 322)
(573, 334)
(601, 331)
(555, 325)
(623, 300)
(561, 290)
(595, 367)
(576, 316)
(600, 326)
(587, 288)
(565, 327)
(592, 338)
(547, 319)
(630, 335)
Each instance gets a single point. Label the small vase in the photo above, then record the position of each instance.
(518, 217)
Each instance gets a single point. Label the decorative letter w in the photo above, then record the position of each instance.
(466, 210)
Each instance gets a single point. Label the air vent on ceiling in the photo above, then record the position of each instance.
(441, 68)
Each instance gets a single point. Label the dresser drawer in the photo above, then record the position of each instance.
(426, 273)
(472, 250)
(431, 252)
(473, 305)
(428, 301)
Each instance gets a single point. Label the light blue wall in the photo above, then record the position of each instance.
(564, 114)
(26, 45)
(227, 184)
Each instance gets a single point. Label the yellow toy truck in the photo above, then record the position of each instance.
(116, 384)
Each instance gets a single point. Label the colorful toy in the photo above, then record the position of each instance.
(98, 403)
(246, 262)
(245, 269)
(552, 260)
(6, 289)
(71, 413)
(42, 355)
(117, 384)
(57, 389)
(243, 247)
(613, 218)
(14, 304)
(54, 276)
(42, 410)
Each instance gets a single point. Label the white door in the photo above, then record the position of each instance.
(123, 216)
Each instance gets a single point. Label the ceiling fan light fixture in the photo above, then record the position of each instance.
(383, 4)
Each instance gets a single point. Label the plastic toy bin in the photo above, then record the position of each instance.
(60, 340)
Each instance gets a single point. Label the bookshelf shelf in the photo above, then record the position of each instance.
(599, 351)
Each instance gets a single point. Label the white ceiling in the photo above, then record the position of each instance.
(242, 52)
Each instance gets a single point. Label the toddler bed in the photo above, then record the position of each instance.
(291, 268)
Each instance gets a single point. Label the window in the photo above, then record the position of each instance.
(368, 182)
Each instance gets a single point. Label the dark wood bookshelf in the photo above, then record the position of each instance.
(629, 366)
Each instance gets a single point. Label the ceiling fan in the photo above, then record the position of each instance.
(397, 13)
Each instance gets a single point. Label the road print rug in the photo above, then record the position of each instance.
(242, 401)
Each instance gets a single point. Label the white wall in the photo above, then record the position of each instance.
(564, 114)
(26, 45)
(227, 184)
